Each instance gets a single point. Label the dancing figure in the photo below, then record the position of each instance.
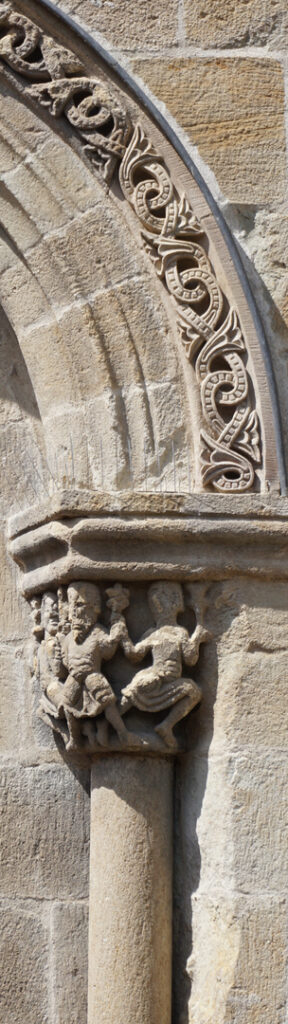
(162, 685)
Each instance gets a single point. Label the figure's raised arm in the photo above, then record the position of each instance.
(118, 598)
(191, 644)
(108, 642)
(135, 652)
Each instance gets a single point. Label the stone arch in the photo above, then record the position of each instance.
(226, 551)
(138, 336)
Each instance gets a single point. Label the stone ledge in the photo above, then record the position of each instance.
(80, 535)
(75, 502)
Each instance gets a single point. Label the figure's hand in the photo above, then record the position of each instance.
(118, 599)
(204, 634)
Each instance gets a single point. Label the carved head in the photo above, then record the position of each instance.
(165, 601)
(84, 603)
(64, 623)
(49, 613)
(35, 605)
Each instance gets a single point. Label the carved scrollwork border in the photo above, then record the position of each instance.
(59, 83)
(172, 235)
(209, 329)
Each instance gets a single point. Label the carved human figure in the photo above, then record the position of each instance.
(86, 691)
(50, 663)
(32, 645)
(63, 610)
(35, 605)
(162, 685)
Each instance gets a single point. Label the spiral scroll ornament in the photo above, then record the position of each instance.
(58, 82)
(172, 235)
(212, 338)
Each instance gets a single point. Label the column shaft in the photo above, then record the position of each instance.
(130, 931)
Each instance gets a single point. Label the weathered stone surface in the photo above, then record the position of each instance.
(241, 976)
(13, 609)
(252, 666)
(243, 802)
(210, 23)
(21, 131)
(99, 229)
(251, 791)
(266, 243)
(236, 786)
(69, 969)
(133, 381)
(243, 669)
(249, 697)
(233, 110)
(11, 704)
(121, 357)
(24, 946)
(127, 25)
(88, 359)
(45, 832)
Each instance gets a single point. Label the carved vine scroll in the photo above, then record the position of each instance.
(213, 341)
(60, 84)
(173, 237)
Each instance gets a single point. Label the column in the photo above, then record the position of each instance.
(130, 932)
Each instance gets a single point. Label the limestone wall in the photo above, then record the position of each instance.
(219, 67)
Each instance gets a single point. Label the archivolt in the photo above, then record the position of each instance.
(232, 412)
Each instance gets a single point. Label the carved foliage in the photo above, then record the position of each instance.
(70, 644)
(213, 341)
(60, 84)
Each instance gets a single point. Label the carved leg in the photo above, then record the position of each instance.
(102, 732)
(125, 704)
(74, 728)
(88, 730)
(178, 711)
(129, 739)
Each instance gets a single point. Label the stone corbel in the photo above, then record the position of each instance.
(118, 605)
(115, 630)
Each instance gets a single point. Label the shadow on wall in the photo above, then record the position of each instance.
(190, 786)
(242, 221)
(15, 383)
(236, 822)
(22, 442)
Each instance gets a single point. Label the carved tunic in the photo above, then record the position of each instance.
(155, 688)
(51, 671)
(87, 691)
